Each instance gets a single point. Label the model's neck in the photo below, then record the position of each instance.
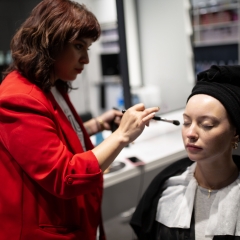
(216, 177)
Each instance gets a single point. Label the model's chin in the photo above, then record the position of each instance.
(195, 157)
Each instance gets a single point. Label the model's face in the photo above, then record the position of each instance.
(207, 133)
(70, 62)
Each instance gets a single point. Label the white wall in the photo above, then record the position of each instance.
(132, 42)
(166, 50)
(105, 10)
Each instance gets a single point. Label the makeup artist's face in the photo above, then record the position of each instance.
(207, 133)
(70, 62)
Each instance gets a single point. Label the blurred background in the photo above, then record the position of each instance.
(149, 51)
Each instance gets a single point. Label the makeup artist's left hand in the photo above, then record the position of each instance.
(110, 116)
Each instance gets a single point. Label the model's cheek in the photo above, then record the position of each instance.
(216, 145)
(184, 137)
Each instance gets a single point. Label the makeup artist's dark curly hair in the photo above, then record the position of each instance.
(50, 26)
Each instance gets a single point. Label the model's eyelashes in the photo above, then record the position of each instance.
(204, 126)
(207, 127)
(186, 124)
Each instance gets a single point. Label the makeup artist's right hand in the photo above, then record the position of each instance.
(131, 126)
(134, 121)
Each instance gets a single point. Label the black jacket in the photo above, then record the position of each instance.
(143, 220)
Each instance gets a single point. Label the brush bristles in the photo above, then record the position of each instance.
(176, 122)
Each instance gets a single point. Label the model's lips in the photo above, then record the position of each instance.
(192, 147)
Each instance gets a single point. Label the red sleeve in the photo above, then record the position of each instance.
(32, 137)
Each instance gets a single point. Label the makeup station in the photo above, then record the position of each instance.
(159, 145)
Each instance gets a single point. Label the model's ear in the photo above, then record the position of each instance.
(236, 135)
(236, 138)
(235, 141)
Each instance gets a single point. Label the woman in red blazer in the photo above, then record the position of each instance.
(51, 176)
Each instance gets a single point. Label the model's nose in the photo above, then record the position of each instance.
(192, 133)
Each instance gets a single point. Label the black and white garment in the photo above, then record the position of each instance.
(166, 210)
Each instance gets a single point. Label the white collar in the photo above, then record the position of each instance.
(176, 205)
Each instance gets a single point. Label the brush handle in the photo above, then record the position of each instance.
(157, 118)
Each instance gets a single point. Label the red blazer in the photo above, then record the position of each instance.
(50, 188)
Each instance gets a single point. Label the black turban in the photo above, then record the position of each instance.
(222, 83)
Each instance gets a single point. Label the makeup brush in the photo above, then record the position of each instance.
(157, 118)
(175, 122)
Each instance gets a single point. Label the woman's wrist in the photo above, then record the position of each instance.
(93, 126)
(123, 139)
(99, 124)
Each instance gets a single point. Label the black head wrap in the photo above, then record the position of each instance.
(222, 83)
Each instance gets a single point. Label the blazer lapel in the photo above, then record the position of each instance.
(70, 136)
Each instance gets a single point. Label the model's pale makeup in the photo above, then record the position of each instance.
(207, 132)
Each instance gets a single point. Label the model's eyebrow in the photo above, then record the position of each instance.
(208, 116)
(204, 117)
